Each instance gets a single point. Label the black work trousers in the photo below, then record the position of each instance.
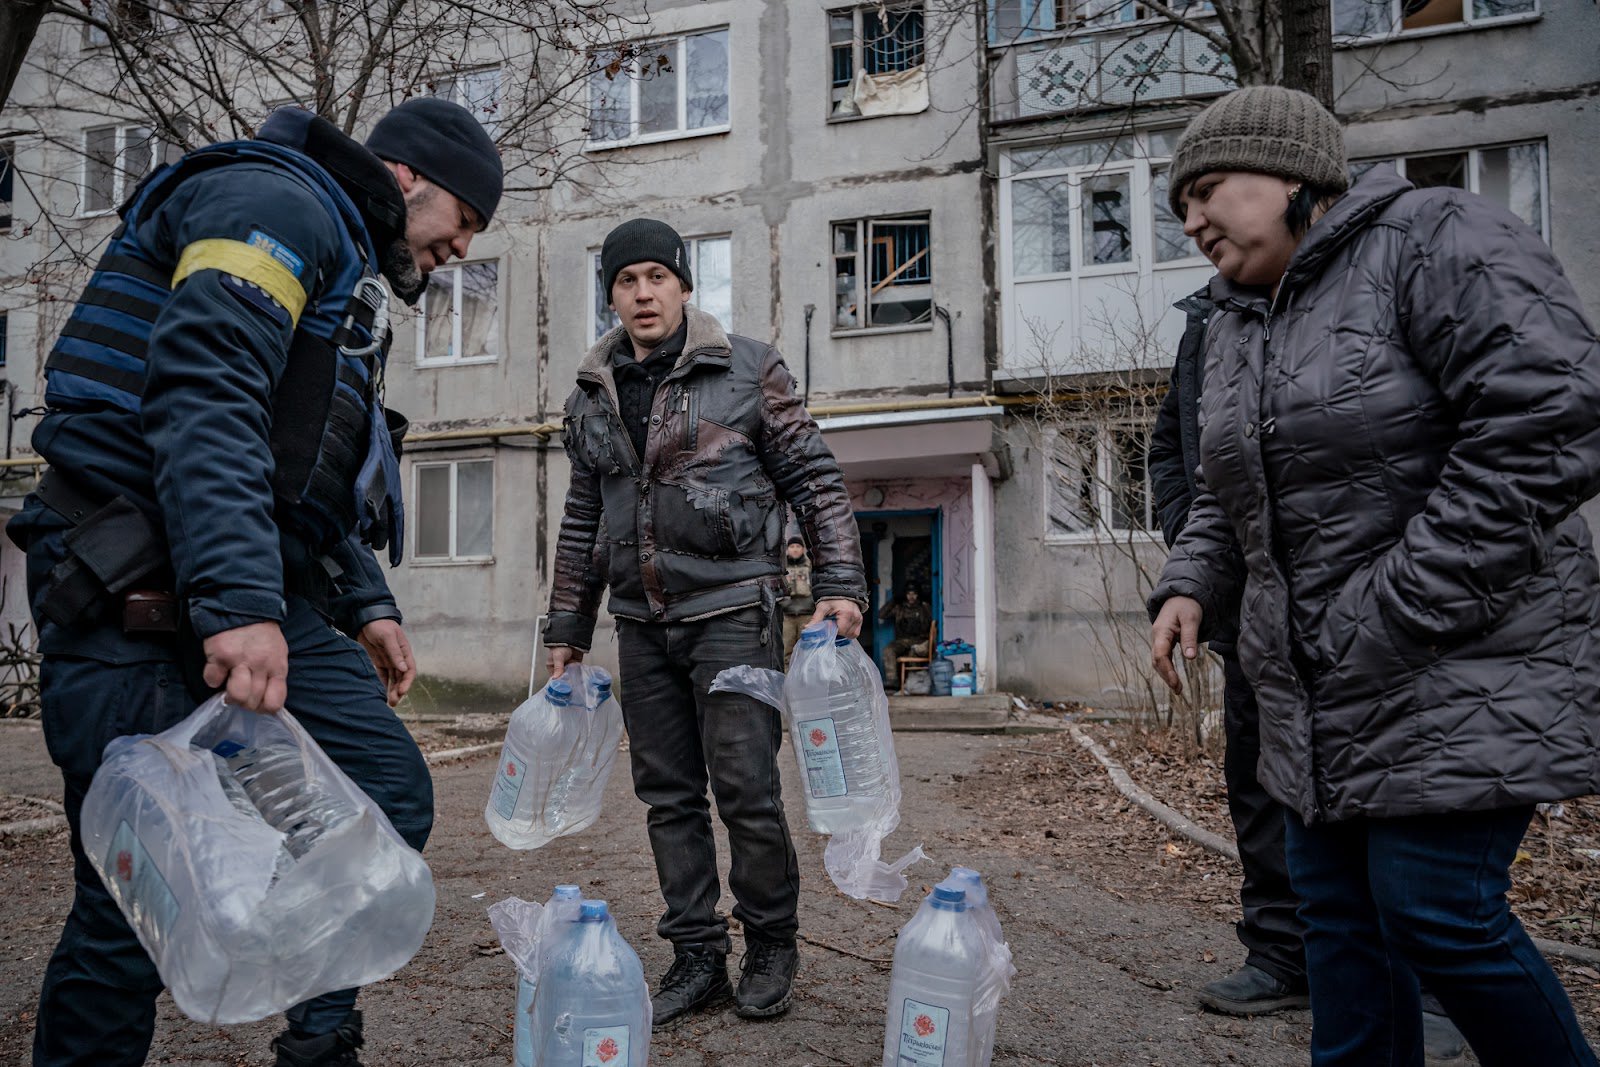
(682, 737)
(1271, 931)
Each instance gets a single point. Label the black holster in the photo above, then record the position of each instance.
(110, 547)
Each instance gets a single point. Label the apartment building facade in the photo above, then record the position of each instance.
(937, 211)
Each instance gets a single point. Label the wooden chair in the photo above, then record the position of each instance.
(920, 663)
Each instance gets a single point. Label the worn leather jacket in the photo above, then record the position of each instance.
(694, 527)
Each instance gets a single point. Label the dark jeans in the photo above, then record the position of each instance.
(681, 737)
(1390, 901)
(97, 1005)
(1271, 931)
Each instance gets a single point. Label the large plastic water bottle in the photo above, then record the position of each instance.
(934, 984)
(995, 978)
(834, 728)
(562, 907)
(271, 778)
(543, 743)
(592, 1008)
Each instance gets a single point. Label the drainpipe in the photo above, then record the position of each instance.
(950, 349)
(811, 309)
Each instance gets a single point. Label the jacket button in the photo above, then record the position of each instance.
(644, 557)
(655, 420)
(1249, 429)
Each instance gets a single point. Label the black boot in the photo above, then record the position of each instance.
(767, 978)
(1252, 991)
(337, 1049)
(698, 978)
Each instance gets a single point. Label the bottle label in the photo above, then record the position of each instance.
(605, 1046)
(508, 783)
(819, 741)
(138, 881)
(922, 1034)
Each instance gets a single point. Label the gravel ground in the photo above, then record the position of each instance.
(1113, 925)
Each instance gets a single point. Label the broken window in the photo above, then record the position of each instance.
(710, 264)
(1099, 479)
(458, 317)
(661, 89)
(883, 273)
(1380, 18)
(1513, 176)
(877, 57)
(454, 516)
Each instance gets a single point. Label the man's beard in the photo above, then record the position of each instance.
(400, 268)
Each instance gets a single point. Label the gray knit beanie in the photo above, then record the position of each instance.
(1266, 129)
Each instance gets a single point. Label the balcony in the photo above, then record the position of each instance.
(1144, 63)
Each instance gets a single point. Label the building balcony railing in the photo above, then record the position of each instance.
(1148, 62)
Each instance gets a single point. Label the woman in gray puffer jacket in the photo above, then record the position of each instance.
(1401, 415)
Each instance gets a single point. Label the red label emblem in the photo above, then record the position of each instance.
(511, 770)
(125, 865)
(818, 738)
(924, 1026)
(607, 1050)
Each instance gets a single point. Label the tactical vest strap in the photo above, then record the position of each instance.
(109, 336)
(114, 263)
(94, 370)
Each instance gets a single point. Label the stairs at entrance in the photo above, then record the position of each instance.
(980, 713)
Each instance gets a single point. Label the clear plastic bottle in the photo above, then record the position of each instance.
(562, 907)
(835, 731)
(995, 978)
(272, 777)
(933, 988)
(592, 1008)
(543, 742)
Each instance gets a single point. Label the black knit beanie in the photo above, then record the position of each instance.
(643, 241)
(444, 143)
(1266, 129)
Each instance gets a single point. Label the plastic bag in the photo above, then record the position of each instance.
(255, 874)
(996, 971)
(833, 703)
(558, 754)
(524, 930)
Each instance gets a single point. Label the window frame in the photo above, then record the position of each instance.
(422, 360)
(1104, 431)
(858, 45)
(862, 255)
(1141, 162)
(1396, 29)
(1474, 154)
(452, 557)
(692, 244)
(1079, 27)
(122, 182)
(490, 123)
(680, 67)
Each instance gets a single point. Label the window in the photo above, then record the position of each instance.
(711, 266)
(1513, 176)
(659, 90)
(874, 42)
(1381, 18)
(1019, 20)
(476, 90)
(115, 158)
(454, 510)
(1093, 188)
(459, 315)
(1099, 481)
(8, 156)
(883, 273)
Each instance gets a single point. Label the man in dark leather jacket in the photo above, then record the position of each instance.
(685, 444)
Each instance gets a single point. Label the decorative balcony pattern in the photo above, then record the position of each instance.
(1144, 64)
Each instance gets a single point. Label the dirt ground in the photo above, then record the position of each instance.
(1113, 925)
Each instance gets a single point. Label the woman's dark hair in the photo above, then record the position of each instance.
(1302, 207)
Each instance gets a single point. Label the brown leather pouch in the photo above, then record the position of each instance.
(149, 611)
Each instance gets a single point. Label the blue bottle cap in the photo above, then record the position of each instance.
(840, 642)
(593, 911)
(950, 897)
(814, 636)
(568, 892)
(965, 874)
(602, 690)
(558, 693)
